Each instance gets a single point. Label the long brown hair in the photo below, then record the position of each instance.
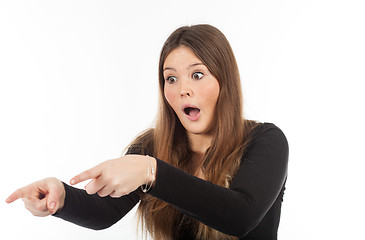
(168, 140)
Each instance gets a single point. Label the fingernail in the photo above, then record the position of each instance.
(72, 181)
(52, 205)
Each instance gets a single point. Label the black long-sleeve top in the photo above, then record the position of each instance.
(249, 209)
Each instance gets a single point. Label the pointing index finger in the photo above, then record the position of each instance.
(88, 174)
(15, 195)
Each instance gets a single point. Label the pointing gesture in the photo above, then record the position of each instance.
(117, 177)
(41, 198)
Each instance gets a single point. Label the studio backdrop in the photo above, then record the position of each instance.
(78, 81)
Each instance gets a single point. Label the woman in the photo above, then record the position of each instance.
(203, 172)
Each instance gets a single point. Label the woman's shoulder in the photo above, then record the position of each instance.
(267, 144)
(266, 132)
(263, 129)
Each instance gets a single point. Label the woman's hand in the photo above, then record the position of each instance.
(117, 177)
(41, 198)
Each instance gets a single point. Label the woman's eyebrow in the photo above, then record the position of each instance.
(169, 68)
(192, 65)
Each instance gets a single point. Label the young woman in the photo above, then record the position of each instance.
(203, 172)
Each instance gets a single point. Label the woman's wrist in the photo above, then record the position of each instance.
(151, 165)
(62, 197)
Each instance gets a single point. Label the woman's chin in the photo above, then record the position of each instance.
(197, 130)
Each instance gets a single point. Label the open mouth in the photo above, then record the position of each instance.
(191, 111)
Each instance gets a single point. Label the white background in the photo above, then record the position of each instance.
(79, 82)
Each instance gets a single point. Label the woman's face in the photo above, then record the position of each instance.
(191, 90)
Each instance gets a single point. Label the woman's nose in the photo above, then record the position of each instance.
(185, 93)
(186, 88)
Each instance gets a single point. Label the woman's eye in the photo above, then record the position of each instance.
(171, 79)
(198, 75)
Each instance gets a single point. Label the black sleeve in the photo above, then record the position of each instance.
(93, 211)
(253, 190)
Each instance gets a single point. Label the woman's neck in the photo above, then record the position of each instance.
(199, 144)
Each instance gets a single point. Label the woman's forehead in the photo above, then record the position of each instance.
(181, 56)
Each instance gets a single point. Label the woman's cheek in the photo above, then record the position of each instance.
(170, 97)
(210, 93)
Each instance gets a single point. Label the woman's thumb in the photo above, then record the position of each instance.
(52, 204)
